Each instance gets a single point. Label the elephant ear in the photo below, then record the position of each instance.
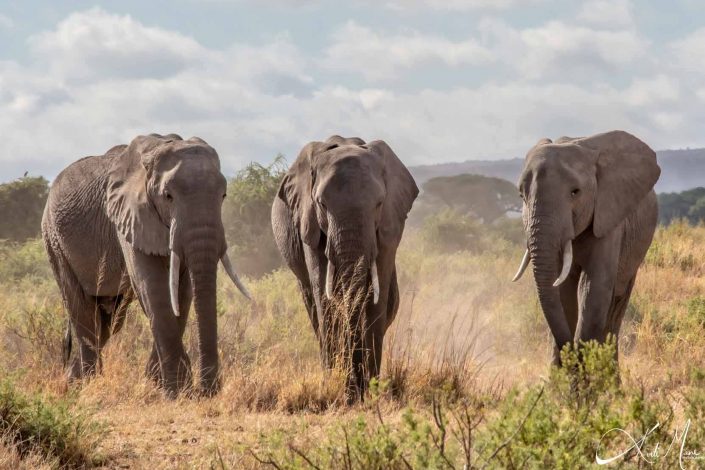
(296, 190)
(401, 191)
(626, 172)
(128, 203)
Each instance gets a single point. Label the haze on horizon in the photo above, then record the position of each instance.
(439, 80)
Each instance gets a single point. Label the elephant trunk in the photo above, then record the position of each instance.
(544, 251)
(203, 245)
(351, 252)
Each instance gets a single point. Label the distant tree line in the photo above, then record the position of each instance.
(688, 205)
(463, 212)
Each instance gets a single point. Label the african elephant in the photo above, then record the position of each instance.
(141, 221)
(342, 204)
(589, 202)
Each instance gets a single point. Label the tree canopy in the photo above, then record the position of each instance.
(482, 197)
(21, 207)
(246, 217)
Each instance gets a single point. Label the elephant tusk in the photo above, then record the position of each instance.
(567, 263)
(375, 282)
(233, 276)
(330, 274)
(522, 267)
(174, 270)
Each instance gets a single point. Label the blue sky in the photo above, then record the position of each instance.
(440, 80)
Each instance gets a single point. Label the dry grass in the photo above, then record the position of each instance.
(463, 328)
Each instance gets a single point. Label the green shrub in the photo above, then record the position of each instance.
(573, 418)
(450, 231)
(49, 428)
(23, 260)
(246, 217)
(22, 205)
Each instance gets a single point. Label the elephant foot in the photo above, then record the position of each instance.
(210, 388)
(173, 379)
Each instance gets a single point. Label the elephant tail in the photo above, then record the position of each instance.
(67, 343)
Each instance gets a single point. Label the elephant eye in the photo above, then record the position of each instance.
(575, 192)
(168, 196)
(225, 195)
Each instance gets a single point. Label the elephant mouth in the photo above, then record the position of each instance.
(565, 268)
(330, 280)
(175, 270)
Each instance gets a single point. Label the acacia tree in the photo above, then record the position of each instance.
(481, 197)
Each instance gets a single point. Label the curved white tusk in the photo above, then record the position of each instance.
(233, 275)
(522, 267)
(375, 282)
(330, 274)
(567, 263)
(174, 270)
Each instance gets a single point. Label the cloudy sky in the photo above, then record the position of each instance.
(440, 80)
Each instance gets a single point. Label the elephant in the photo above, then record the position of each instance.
(589, 212)
(337, 219)
(144, 221)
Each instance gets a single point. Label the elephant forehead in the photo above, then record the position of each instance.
(568, 156)
(353, 157)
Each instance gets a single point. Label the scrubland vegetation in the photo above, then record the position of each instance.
(465, 383)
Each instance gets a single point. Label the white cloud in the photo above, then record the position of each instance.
(607, 13)
(403, 5)
(6, 23)
(377, 56)
(563, 51)
(658, 90)
(690, 51)
(96, 43)
(457, 5)
(88, 85)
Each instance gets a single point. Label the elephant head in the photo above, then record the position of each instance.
(571, 187)
(353, 197)
(164, 196)
(349, 200)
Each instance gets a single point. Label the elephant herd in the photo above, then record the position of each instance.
(144, 221)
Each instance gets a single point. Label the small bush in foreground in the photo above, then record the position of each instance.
(48, 428)
(580, 414)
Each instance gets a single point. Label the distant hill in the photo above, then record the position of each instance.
(680, 169)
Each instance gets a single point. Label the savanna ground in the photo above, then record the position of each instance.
(465, 382)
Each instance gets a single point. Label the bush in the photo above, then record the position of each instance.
(246, 217)
(582, 412)
(450, 231)
(21, 207)
(23, 260)
(49, 428)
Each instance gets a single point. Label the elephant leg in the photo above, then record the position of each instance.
(569, 301)
(596, 289)
(153, 369)
(150, 280)
(310, 303)
(326, 317)
(616, 314)
(113, 311)
(84, 318)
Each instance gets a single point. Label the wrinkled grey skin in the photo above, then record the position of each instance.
(106, 228)
(345, 202)
(598, 193)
